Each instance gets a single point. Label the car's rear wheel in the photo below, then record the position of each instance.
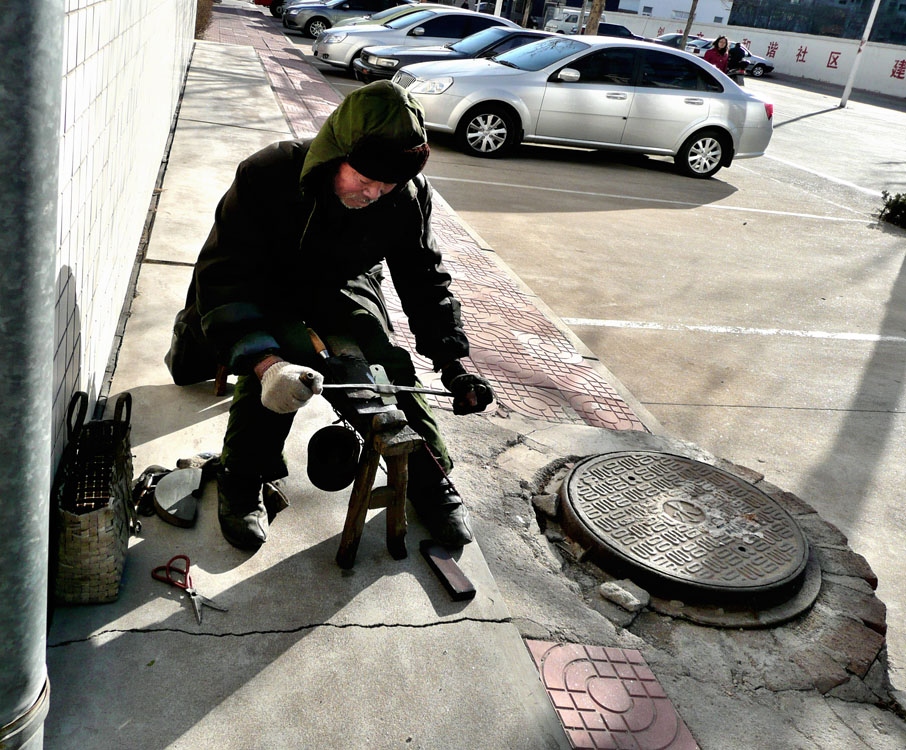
(488, 130)
(702, 154)
(758, 70)
(315, 26)
(276, 8)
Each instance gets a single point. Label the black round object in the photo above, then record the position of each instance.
(333, 455)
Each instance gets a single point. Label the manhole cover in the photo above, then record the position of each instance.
(684, 529)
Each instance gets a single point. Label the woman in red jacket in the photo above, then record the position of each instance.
(717, 54)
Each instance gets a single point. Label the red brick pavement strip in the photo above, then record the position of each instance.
(609, 698)
(533, 367)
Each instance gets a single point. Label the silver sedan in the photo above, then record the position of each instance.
(339, 47)
(311, 18)
(594, 92)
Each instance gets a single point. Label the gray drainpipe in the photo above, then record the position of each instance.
(31, 44)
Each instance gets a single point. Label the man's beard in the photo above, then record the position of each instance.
(358, 205)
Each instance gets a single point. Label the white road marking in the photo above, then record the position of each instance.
(621, 196)
(825, 176)
(741, 330)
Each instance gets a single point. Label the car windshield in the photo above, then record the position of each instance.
(538, 55)
(398, 23)
(391, 11)
(334, 3)
(477, 42)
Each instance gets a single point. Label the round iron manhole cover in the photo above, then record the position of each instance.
(683, 528)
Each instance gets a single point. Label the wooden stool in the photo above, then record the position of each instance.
(390, 437)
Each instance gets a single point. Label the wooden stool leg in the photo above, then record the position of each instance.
(220, 381)
(358, 507)
(397, 479)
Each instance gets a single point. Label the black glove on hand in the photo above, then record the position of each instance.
(471, 393)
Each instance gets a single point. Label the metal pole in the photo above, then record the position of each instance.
(31, 43)
(852, 74)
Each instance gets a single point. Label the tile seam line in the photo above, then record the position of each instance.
(230, 125)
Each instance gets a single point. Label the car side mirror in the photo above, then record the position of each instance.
(417, 31)
(568, 75)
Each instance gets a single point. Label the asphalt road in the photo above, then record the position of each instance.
(760, 314)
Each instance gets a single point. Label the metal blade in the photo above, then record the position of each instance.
(385, 388)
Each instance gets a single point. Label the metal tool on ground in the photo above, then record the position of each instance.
(177, 574)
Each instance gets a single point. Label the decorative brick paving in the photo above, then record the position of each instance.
(534, 368)
(609, 698)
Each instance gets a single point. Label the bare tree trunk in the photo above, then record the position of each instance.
(689, 22)
(594, 17)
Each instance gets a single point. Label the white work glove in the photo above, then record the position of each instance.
(286, 387)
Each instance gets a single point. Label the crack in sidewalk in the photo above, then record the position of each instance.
(282, 631)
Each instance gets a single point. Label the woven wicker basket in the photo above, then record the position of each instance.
(95, 514)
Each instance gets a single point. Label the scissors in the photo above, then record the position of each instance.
(177, 575)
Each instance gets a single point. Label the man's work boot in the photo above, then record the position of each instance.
(240, 510)
(275, 499)
(444, 514)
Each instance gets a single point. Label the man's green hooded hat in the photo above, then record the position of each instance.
(379, 129)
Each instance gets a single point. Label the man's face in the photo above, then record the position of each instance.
(355, 190)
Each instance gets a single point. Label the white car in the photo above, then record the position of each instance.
(387, 15)
(594, 92)
(340, 46)
(566, 21)
(698, 45)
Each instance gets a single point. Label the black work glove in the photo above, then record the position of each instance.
(471, 393)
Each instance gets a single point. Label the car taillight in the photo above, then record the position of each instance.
(769, 110)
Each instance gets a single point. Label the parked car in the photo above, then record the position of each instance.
(339, 47)
(698, 45)
(376, 19)
(383, 62)
(594, 92)
(756, 66)
(313, 18)
(670, 40)
(566, 21)
(275, 6)
(615, 29)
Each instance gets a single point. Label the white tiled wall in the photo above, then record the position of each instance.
(124, 62)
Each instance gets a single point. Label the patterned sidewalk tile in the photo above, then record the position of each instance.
(608, 698)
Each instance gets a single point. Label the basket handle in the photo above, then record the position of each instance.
(74, 426)
(123, 403)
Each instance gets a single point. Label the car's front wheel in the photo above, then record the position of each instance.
(488, 130)
(315, 26)
(701, 155)
(758, 70)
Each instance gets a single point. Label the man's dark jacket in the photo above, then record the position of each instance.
(283, 248)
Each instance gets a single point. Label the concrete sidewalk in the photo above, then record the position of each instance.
(310, 656)
(307, 653)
